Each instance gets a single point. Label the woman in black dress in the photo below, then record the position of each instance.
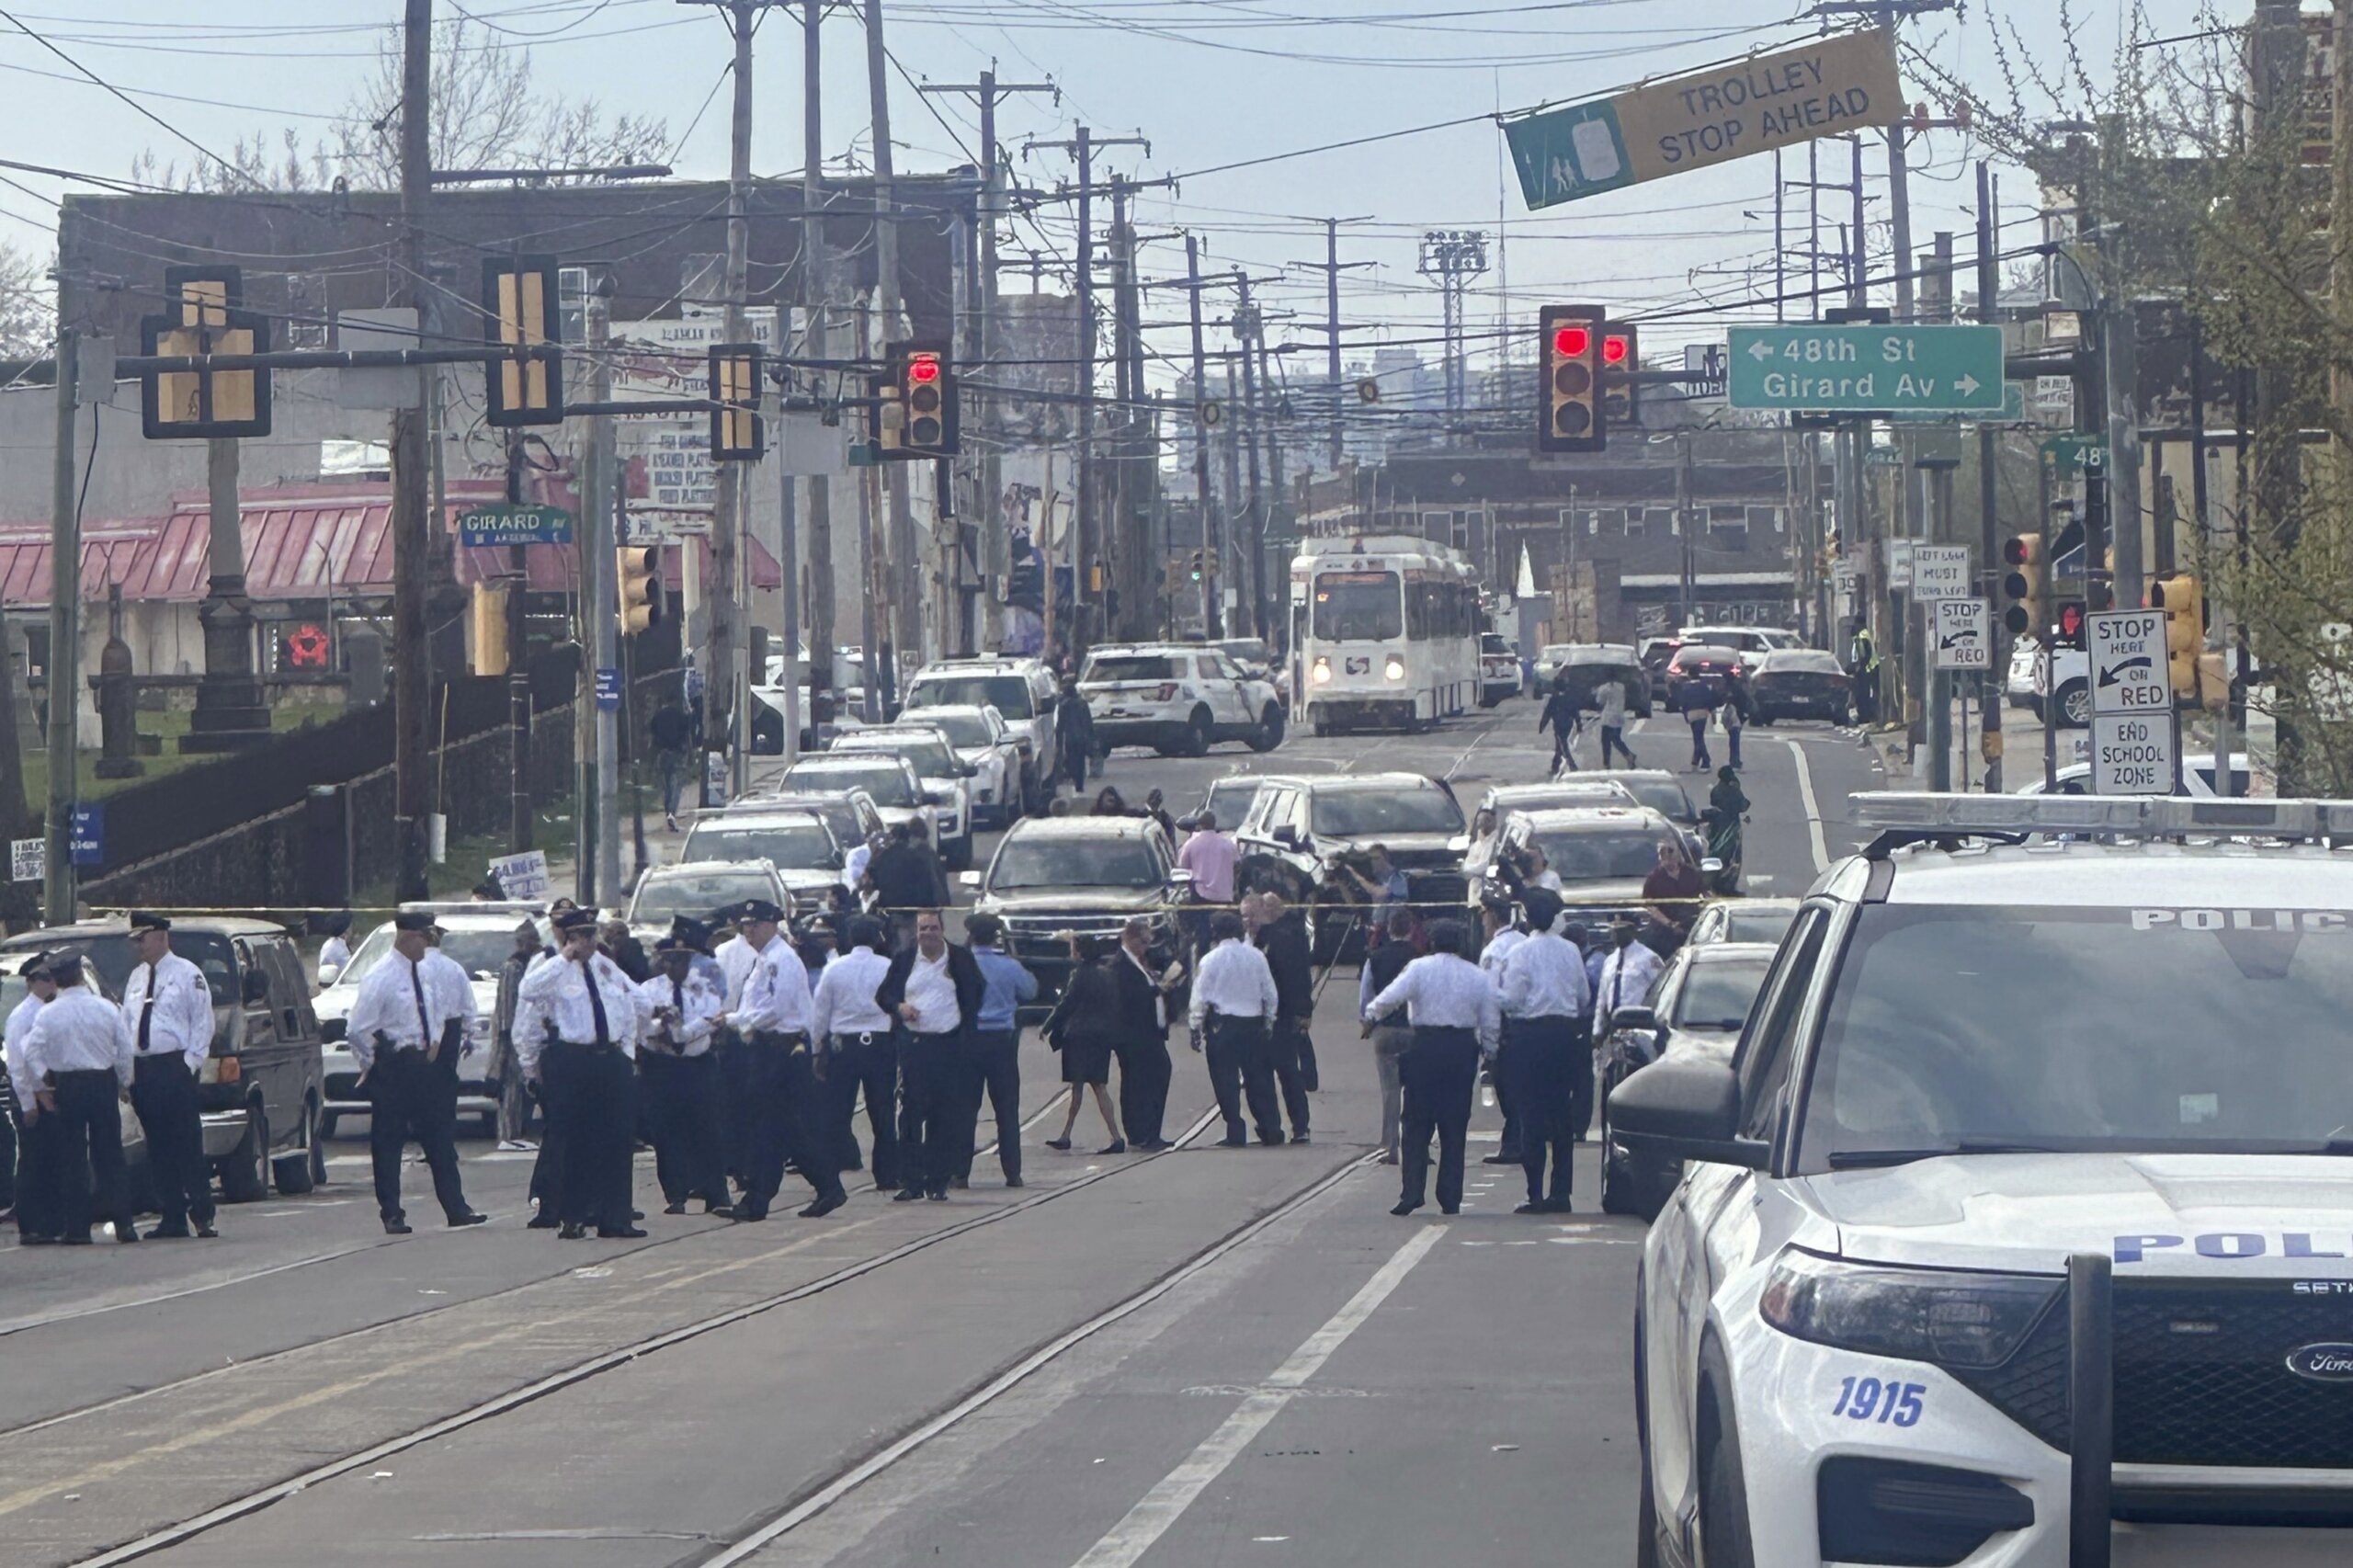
(1080, 1028)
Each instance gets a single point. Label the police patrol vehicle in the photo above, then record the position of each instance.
(2019, 1229)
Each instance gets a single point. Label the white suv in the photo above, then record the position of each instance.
(941, 772)
(1023, 692)
(1178, 698)
(2026, 1191)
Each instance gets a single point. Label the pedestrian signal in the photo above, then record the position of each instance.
(519, 301)
(203, 314)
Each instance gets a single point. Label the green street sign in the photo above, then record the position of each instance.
(499, 523)
(2067, 457)
(1861, 369)
(2013, 411)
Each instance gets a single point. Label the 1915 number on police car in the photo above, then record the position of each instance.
(1890, 1403)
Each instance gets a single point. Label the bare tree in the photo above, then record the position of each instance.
(487, 113)
(28, 305)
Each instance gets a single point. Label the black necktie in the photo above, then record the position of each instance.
(424, 1019)
(596, 1004)
(147, 1012)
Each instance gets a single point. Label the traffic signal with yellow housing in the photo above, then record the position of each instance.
(519, 302)
(1621, 356)
(1575, 419)
(915, 416)
(738, 433)
(2184, 603)
(2025, 585)
(487, 608)
(637, 573)
(203, 314)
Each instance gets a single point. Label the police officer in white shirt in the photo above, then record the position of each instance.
(1501, 938)
(597, 1013)
(1544, 1003)
(170, 1008)
(1455, 1017)
(78, 1060)
(453, 988)
(397, 1032)
(860, 1053)
(680, 1076)
(1233, 1008)
(779, 1085)
(36, 1168)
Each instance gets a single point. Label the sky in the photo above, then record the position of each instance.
(1208, 83)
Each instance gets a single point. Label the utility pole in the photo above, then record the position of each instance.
(1086, 521)
(1236, 534)
(1989, 285)
(1253, 541)
(412, 537)
(600, 605)
(813, 282)
(1129, 555)
(1331, 267)
(518, 667)
(1212, 618)
(906, 560)
(1272, 600)
(996, 544)
(64, 645)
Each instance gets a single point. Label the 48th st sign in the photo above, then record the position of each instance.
(1860, 369)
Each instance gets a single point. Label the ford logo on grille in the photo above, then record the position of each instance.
(2323, 1363)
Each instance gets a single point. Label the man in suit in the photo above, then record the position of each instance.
(1282, 937)
(933, 991)
(1141, 1042)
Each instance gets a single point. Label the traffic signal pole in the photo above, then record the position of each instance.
(410, 526)
(1212, 620)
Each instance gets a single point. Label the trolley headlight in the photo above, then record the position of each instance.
(1916, 1314)
(1394, 669)
(1322, 673)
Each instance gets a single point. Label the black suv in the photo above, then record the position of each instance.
(263, 1088)
(1300, 830)
(1089, 875)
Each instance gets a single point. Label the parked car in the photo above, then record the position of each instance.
(944, 777)
(1600, 853)
(1697, 1005)
(1707, 664)
(1089, 875)
(1655, 653)
(1250, 653)
(1568, 789)
(982, 743)
(796, 842)
(708, 891)
(2197, 777)
(478, 935)
(1588, 664)
(1177, 698)
(888, 781)
(2019, 686)
(1745, 639)
(1662, 793)
(1799, 683)
(1299, 831)
(1024, 693)
(1743, 920)
(1230, 798)
(261, 1095)
(1498, 669)
(850, 815)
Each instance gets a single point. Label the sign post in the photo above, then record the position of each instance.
(1963, 639)
(1830, 88)
(2135, 743)
(1858, 367)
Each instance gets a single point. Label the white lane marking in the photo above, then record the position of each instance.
(1162, 1506)
(1476, 741)
(1813, 806)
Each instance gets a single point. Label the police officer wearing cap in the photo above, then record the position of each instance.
(78, 1056)
(860, 1053)
(37, 1223)
(1545, 1001)
(680, 1075)
(397, 1032)
(779, 1077)
(170, 1008)
(587, 1016)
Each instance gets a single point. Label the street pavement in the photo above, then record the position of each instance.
(1205, 1355)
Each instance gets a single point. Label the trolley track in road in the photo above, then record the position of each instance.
(169, 1536)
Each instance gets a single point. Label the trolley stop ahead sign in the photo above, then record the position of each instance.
(1852, 368)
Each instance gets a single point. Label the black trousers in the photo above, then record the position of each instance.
(591, 1113)
(1440, 1071)
(865, 1064)
(1507, 1092)
(928, 1106)
(1144, 1071)
(409, 1098)
(84, 1146)
(736, 1114)
(785, 1119)
(991, 1065)
(1242, 1070)
(1541, 1065)
(163, 1091)
(1581, 1083)
(1289, 1055)
(37, 1168)
(1303, 1050)
(681, 1096)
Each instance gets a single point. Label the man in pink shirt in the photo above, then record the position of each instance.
(1210, 855)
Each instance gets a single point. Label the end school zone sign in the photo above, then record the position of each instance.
(1827, 89)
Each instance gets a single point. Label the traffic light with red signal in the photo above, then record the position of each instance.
(917, 413)
(1574, 418)
(2024, 585)
(1621, 356)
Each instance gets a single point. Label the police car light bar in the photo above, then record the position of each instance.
(2144, 816)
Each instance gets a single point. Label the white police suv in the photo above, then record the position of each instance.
(2019, 1229)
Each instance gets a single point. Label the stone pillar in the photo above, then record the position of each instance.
(118, 698)
(230, 712)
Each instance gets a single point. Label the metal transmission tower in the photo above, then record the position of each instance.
(1454, 256)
